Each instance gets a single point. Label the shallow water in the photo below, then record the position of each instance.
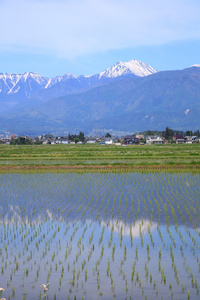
(100, 236)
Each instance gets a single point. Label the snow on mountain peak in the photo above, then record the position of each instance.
(57, 79)
(133, 66)
(13, 82)
(31, 81)
(198, 66)
(35, 76)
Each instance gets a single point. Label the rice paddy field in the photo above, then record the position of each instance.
(99, 222)
(59, 155)
(100, 235)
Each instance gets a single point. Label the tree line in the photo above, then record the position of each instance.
(168, 133)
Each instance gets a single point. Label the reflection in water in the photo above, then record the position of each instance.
(100, 236)
(117, 226)
(13, 216)
(140, 227)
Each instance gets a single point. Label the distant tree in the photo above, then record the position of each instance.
(188, 133)
(71, 137)
(197, 133)
(12, 142)
(108, 134)
(143, 141)
(49, 136)
(171, 133)
(21, 141)
(149, 132)
(38, 142)
(166, 133)
(76, 140)
(81, 136)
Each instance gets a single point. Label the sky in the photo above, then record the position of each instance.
(83, 37)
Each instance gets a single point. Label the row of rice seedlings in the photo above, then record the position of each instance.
(55, 233)
(125, 252)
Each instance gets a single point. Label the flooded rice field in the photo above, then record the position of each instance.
(100, 236)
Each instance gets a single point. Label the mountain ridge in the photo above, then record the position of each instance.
(133, 67)
(126, 102)
(168, 98)
(30, 88)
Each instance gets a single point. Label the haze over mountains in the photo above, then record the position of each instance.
(127, 96)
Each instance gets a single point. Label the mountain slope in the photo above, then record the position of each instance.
(15, 88)
(170, 98)
(29, 89)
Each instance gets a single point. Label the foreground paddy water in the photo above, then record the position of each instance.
(100, 236)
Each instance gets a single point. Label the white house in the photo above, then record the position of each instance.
(152, 140)
(91, 142)
(109, 142)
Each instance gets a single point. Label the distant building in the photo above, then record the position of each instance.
(180, 141)
(46, 142)
(191, 139)
(64, 141)
(178, 137)
(130, 139)
(91, 142)
(140, 136)
(153, 140)
(108, 141)
(6, 140)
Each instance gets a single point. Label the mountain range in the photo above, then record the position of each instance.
(129, 96)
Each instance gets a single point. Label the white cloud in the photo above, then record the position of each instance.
(73, 28)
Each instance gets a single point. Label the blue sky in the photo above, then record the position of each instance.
(54, 37)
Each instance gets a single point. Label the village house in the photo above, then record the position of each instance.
(153, 140)
(140, 136)
(130, 139)
(108, 141)
(91, 142)
(6, 140)
(179, 139)
(191, 139)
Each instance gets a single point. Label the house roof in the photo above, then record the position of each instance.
(178, 136)
(130, 136)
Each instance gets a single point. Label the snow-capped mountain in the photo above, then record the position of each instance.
(27, 83)
(31, 82)
(32, 87)
(167, 98)
(57, 79)
(133, 67)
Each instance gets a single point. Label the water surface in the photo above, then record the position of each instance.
(100, 236)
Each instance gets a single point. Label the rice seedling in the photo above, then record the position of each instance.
(79, 233)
